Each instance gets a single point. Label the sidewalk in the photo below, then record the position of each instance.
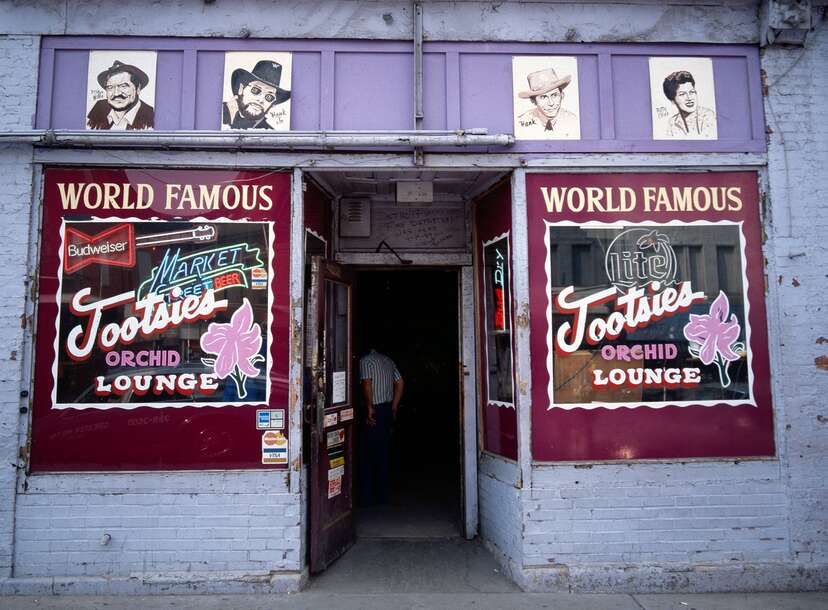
(427, 574)
(310, 600)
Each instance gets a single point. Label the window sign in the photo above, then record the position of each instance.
(648, 325)
(637, 329)
(162, 318)
(498, 305)
(162, 314)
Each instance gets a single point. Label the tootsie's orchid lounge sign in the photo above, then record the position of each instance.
(648, 325)
(162, 292)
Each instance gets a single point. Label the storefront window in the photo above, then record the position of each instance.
(657, 275)
(648, 331)
(498, 322)
(161, 313)
(162, 321)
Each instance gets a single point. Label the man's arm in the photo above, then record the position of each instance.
(368, 396)
(399, 386)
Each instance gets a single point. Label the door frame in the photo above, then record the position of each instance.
(467, 329)
(298, 473)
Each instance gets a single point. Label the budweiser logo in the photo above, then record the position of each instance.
(115, 246)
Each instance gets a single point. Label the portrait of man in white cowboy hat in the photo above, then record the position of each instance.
(257, 97)
(118, 102)
(551, 116)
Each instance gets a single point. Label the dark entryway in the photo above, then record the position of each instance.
(415, 312)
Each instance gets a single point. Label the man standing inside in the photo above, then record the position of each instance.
(122, 109)
(691, 120)
(548, 120)
(382, 389)
(254, 95)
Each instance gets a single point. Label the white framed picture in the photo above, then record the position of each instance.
(256, 92)
(683, 98)
(545, 93)
(120, 92)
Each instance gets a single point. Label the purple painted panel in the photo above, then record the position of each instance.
(486, 92)
(374, 91)
(69, 87)
(304, 92)
(209, 85)
(589, 97)
(631, 97)
(169, 73)
(466, 84)
(44, 88)
(730, 78)
(434, 91)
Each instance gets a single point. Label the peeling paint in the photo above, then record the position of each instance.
(522, 319)
(821, 362)
(795, 283)
(821, 341)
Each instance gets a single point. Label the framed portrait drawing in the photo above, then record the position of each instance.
(120, 91)
(683, 98)
(545, 94)
(256, 92)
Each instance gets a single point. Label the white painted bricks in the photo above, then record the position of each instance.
(128, 524)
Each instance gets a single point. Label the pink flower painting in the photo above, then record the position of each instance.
(713, 337)
(236, 346)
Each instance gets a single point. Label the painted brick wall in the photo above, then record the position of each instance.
(18, 69)
(656, 513)
(229, 525)
(499, 510)
(795, 110)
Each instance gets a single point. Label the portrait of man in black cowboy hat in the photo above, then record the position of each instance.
(122, 107)
(254, 95)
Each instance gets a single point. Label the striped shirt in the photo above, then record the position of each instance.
(382, 371)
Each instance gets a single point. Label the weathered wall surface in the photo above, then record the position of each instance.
(795, 108)
(533, 21)
(639, 526)
(499, 510)
(168, 528)
(18, 69)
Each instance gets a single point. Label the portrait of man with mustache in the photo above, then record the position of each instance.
(122, 109)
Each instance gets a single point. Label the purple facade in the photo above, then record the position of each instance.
(355, 85)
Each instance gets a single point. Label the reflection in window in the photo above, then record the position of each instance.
(339, 328)
(727, 268)
(498, 307)
(615, 260)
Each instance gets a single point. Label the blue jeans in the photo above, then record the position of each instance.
(375, 455)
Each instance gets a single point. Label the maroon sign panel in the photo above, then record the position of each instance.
(648, 326)
(493, 218)
(162, 332)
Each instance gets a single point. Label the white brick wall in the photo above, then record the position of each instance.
(18, 69)
(235, 525)
(499, 510)
(696, 512)
(795, 110)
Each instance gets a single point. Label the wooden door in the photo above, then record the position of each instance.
(329, 317)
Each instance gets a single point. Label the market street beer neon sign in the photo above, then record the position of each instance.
(214, 269)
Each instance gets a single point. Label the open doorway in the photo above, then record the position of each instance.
(414, 312)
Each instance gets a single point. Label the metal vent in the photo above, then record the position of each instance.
(355, 218)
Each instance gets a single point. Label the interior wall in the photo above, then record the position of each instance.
(413, 314)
